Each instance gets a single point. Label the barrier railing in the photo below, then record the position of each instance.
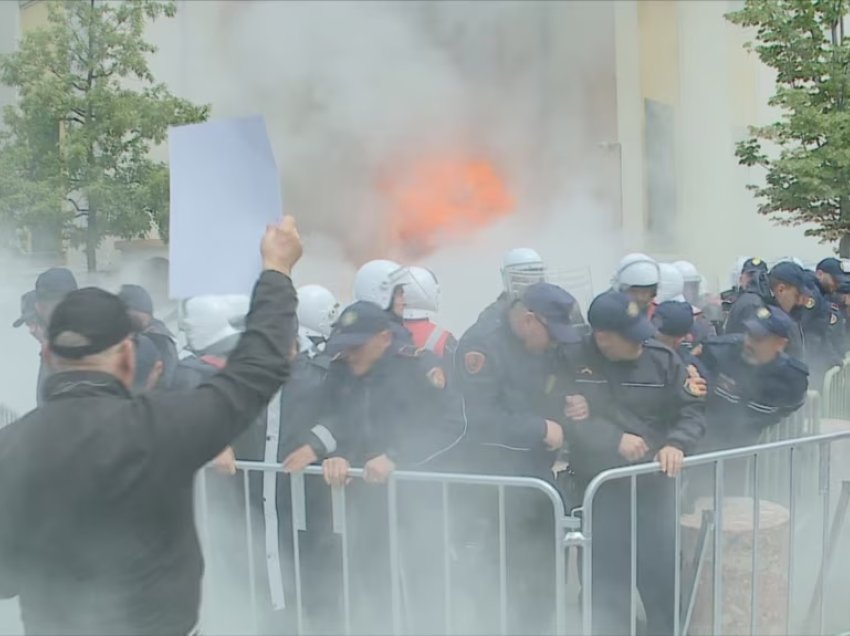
(445, 550)
(836, 392)
(712, 532)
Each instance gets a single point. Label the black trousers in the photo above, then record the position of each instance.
(611, 567)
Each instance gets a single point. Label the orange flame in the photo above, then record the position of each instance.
(441, 200)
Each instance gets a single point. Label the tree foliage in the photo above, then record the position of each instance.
(75, 151)
(806, 153)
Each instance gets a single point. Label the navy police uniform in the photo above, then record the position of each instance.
(651, 397)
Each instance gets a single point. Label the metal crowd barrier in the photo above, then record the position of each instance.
(7, 415)
(836, 392)
(790, 467)
(340, 502)
(799, 509)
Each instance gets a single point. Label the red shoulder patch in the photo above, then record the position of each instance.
(473, 362)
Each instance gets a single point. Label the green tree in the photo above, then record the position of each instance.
(806, 154)
(75, 152)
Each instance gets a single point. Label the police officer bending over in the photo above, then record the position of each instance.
(753, 383)
(97, 534)
(643, 405)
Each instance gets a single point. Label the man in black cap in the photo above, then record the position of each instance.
(753, 292)
(753, 383)
(51, 287)
(644, 405)
(831, 277)
(141, 309)
(97, 534)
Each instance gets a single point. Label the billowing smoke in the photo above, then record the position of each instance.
(358, 95)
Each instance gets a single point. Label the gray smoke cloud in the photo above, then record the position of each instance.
(357, 93)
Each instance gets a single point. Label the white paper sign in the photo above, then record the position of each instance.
(225, 190)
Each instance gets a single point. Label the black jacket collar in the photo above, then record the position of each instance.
(74, 384)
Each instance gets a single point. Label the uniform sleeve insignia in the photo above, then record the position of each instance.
(437, 378)
(763, 313)
(833, 319)
(810, 303)
(474, 362)
(586, 371)
(633, 310)
(348, 318)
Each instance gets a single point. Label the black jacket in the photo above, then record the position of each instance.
(401, 408)
(97, 534)
(301, 401)
(509, 394)
(744, 308)
(745, 399)
(647, 397)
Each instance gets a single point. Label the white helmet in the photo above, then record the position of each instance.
(790, 259)
(671, 284)
(636, 270)
(421, 293)
(521, 267)
(376, 281)
(689, 272)
(239, 307)
(318, 309)
(206, 320)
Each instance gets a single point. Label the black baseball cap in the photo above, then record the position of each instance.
(555, 308)
(769, 321)
(834, 268)
(28, 313)
(790, 273)
(617, 312)
(86, 322)
(54, 284)
(136, 298)
(356, 325)
(754, 264)
(673, 318)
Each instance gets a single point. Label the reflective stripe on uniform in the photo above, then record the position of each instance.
(325, 437)
(434, 339)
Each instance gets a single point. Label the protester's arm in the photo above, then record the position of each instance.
(192, 427)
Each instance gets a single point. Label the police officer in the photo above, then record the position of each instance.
(386, 405)
(140, 306)
(674, 322)
(29, 316)
(318, 310)
(511, 370)
(421, 303)
(639, 276)
(752, 293)
(643, 405)
(382, 282)
(51, 287)
(98, 535)
(830, 278)
(753, 383)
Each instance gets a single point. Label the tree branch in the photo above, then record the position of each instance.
(80, 211)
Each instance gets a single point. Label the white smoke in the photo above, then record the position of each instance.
(352, 91)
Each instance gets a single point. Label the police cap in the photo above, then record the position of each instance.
(615, 311)
(833, 267)
(753, 264)
(136, 298)
(86, 322)
(554, 307)
(790, 274)
(769, 321)
(28, 313)
(673, 318)
(54, 284)
(356, 325)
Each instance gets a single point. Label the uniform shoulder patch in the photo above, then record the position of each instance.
(833, 319)
(473, 362)
(810, 303)
(437, 378)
